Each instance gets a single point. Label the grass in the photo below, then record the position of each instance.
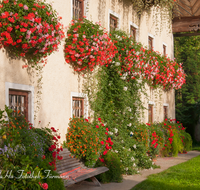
(184, 176)
(196, 146)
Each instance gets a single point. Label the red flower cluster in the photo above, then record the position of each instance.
(32, 32)
(55, 150)
(136, 62)
(148, 65)
(107, 143)
(87, 46)
(170, 140)
(154, 137)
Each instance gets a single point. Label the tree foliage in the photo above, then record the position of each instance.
(188, 97)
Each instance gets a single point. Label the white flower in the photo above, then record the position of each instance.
(123, 147)
(134, 146)
(129, 124)
(117, 63)
(123, 78)
(116, 151)
(129, 109)
(120, 160)
(151, 168)
(126, 169)
(131, 117)
(125, 88)
(122, 141)
(131, 133)
(110, 133)
(116, 130)
(129, 149)
(134, 165)
(132, 158)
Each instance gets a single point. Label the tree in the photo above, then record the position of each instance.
(188, 97)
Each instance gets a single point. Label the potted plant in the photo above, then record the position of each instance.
(29, 29)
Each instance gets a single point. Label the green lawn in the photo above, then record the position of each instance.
(184, 176)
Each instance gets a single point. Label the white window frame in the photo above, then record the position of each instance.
(22, 87)
(80, 95)
(152, 36)
(166, 48)
(110, 12)
(137, 30)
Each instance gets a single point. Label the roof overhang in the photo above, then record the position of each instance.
(186, 18)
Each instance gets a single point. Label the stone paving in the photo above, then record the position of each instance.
(130, 181)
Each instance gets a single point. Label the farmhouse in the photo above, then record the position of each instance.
(54, 93)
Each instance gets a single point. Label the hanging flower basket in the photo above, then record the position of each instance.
(87, 45)
(135, 62)
(29, 29)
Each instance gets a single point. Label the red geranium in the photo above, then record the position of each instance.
(37, 34)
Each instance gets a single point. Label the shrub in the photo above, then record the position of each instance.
(24, 147)
(87, 141)
(54, 183)
(114, 174)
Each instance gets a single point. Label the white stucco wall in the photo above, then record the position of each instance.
(59, 81)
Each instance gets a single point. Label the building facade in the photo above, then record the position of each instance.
(61, 94)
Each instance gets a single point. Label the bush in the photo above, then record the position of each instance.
(54, 183)
(27, 149)
(87, 141)
(114, 174)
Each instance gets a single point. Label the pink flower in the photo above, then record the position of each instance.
(44, 185)
(25, 7)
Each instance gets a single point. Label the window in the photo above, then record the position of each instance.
(164, 49)
(20, 97)
(77, 107)
(150, 43)
(18, 101)
(133, 32)
(165, 112)
(113, 23)
(78, 9)
(150, 113)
